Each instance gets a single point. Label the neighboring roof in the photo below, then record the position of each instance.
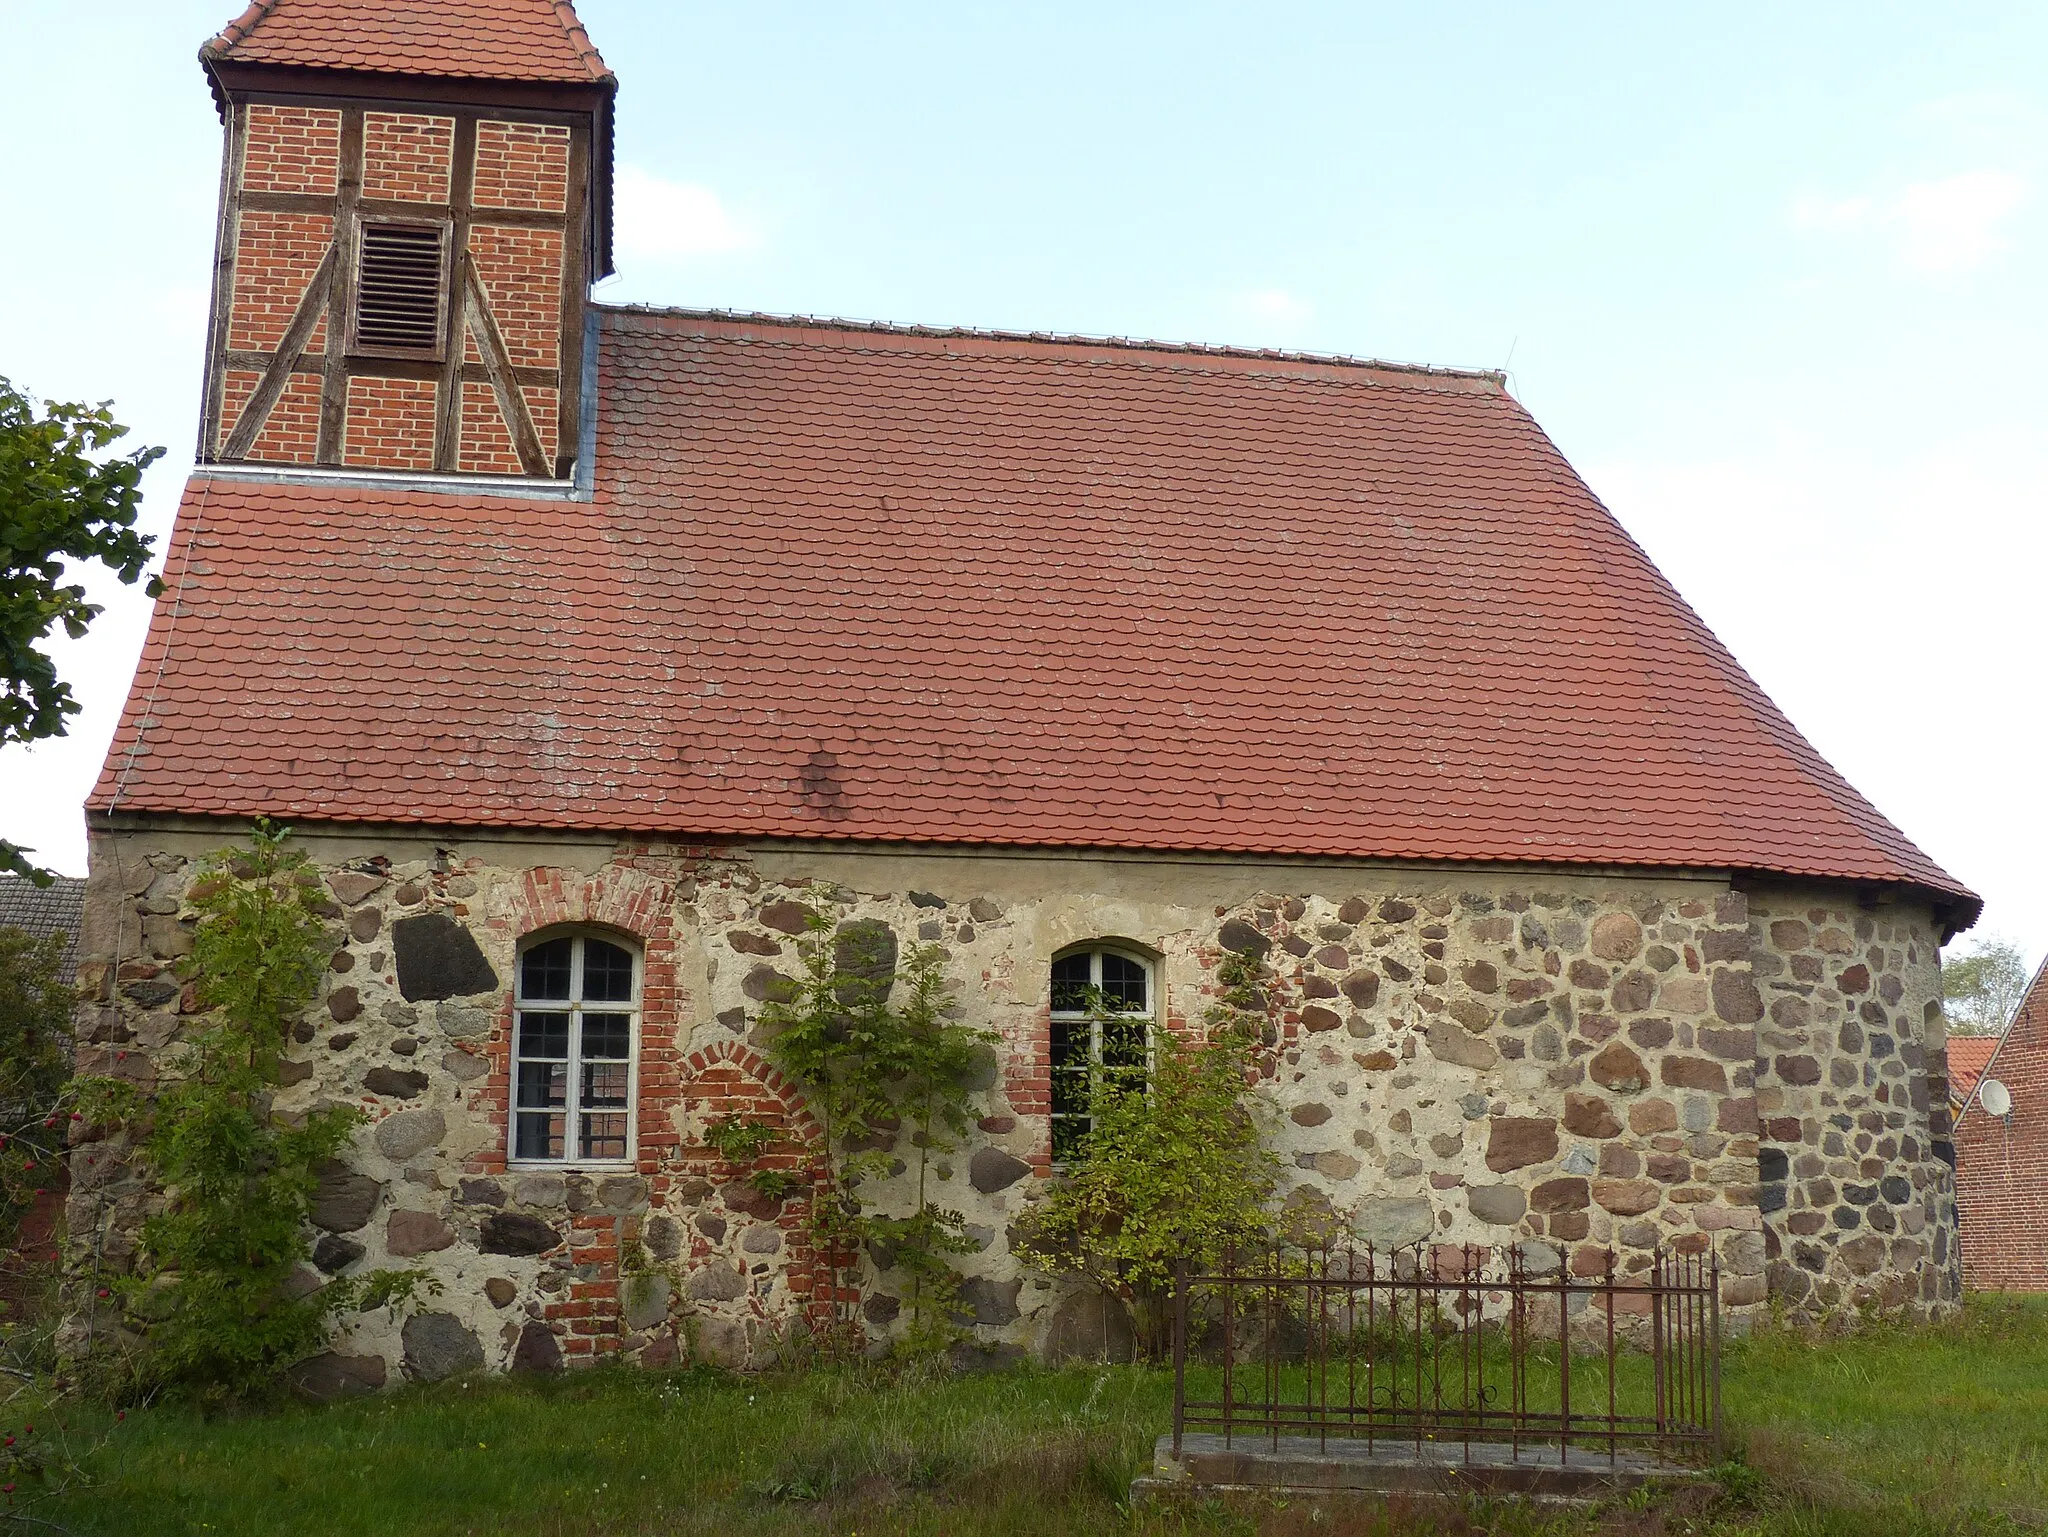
(44, 910)
(944, 587)
(539, 40)
(1968, 1056)
(1979, 1054)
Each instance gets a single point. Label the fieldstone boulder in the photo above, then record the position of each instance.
(333, 1254)
(786, 917)
(395, 1083)
(722, 1342)
(1236, 934)
(1393, 1222)
(462, 1021)
(663, 1237)
(500, 1291)
(983, 1068)
(1516, 1141)
(1361, 987)
(991, 1169)
(864, 951)
(344, 1199)
(332, 1375)
(715, 1282)
(1091, 1326)
(1618, 1068)
(643, 1301)
(344, 1004)
(537, 1350)
(1501, 1205)
(1331, 1164)
(409, 1133)
(1309, 1115)
(516, 1233)
(988, 1303)
(1627, 1197)
(1554, 1195)
(1588, 1115)
(1694, 1073)
(439, 1345)
(1616, 937)
(438, 958)
(351, 886)
(417, 1232)
(1450, 1043)
(1736, 998)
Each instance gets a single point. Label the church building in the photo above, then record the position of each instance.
(593, 652)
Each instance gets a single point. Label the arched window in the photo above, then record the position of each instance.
(1104, 1002)
(573, 1051)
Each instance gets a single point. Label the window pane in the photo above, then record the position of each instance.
(544, 970)
(1123, 1043)
(539, 1136)
(1123, 984)
(1070, 983)
(544, 1035)
(1070, 1092)
(609, 1036)
(1071, 1039)
(607, 973)
(604, 1136)
(543, 1085)
(604, 1085)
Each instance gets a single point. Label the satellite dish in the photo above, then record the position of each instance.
(1994, 1097)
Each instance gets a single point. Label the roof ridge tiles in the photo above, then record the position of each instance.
(536, 40)
(1131, 344)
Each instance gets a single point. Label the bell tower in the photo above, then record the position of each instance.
(415, 199)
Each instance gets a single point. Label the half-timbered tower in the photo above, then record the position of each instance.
(410, 219)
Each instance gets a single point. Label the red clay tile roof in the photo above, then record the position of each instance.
(464, 39)
(953, 588)
(1968, 1056)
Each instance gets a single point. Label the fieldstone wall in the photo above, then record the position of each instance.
(1857, 1166)
(1457, 1057)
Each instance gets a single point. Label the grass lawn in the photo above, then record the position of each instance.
(1939, 1431)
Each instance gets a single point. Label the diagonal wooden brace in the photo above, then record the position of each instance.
(483, 325)
(283, 361)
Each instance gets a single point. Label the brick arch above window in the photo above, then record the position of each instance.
(626, 904)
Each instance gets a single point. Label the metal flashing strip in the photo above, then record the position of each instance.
(526, 488)
(586, 411)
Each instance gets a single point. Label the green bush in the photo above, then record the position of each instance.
(1174, 1171)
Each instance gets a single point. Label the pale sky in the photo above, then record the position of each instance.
(1772, 277)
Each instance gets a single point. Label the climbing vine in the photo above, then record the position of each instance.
(873, 1071)
(216, 1289)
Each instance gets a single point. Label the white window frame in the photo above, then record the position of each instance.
(1150, 1014)
(574, 1007)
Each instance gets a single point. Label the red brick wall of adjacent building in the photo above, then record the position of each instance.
(2002, 1162)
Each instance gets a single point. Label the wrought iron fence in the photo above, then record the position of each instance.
(1440, 1345)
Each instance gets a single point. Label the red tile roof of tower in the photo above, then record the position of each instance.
(536, 40)
(900, 585)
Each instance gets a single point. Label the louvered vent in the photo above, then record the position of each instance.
(398, 300)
